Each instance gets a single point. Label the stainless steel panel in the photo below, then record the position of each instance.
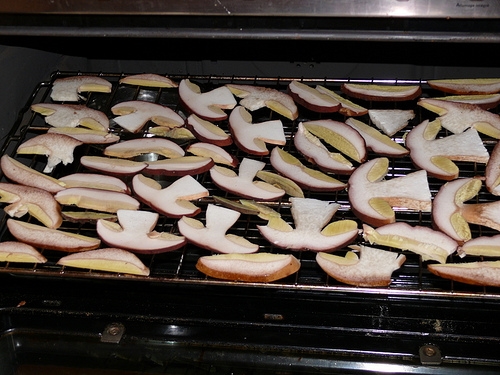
(336, 8)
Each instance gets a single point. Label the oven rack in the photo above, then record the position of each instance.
(178, 266)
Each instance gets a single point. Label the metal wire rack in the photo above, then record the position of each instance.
(179, 266)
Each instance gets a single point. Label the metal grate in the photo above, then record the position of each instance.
(179, 266)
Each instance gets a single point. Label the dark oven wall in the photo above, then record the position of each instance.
(27, 60)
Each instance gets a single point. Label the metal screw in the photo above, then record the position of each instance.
(114, 330)
(429, 351)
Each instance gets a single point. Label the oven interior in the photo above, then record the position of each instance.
(60, 320)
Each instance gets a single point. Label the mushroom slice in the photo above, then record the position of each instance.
(149, 80)
(69, 88)
(458, 117)
(258, 267)
(348, 107)
(135, 232)
(316, 152)
(217, 153)
(140, 146)
(312, 231)
(488, 246)
(95, 181)
(243, 184)
(256, 97)
(182, 166)
(207, 105)
(308, 178)
(492, 172)
(72, 115)
(285, 183)
(108, 259)
(113, 166)
(97, 199)
(390, 121)
(484, 101)
(173, 200)
(467, 86)
(371, 268)
(451, 215)
(208, 132)
(372, 198)
(376, 141)
(87, 136)
(58, 148)
(18, 252)
(252, 137)
(376, 92)
(475, 273)
(312, 99)
(37, 202)
(428, 243)
(340, 136)
(134, 114)
(212, 236)
(436, 156)
(20, 173)
(42, 237)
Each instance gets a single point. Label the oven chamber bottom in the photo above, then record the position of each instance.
(72, 326)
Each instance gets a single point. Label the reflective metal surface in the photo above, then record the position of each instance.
(336, 8)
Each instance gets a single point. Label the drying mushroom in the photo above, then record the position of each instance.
(348, 108)
(436, 156)
(58, 148)
(371, 268)
(133, 115)
(42, 237)
(70, 88)
(312, 231)
(149, 80)
(208, 132)
(20, 173)
(308, 178)
(72, 115)
(379, 143)
(252, 137)
(107, 259)
(207, 105)
(113, 166)
(18, 252)
(37, 202)
(173, 200)
(243, 184)
(256, 97)
(95, 181)
(212, 236)
(458, 117)
(135, 232)
(340, 136)
(316, 152)
(182, 166)
(256, 267)
(87, 136)
(312, 99)
(372, 197)
(97, 199)
(428, 243)
(140, 146)
(452, 216)
(216, 153)
(376, 92)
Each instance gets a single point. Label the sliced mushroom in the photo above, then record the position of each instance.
(212, 236)
(372, 197)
